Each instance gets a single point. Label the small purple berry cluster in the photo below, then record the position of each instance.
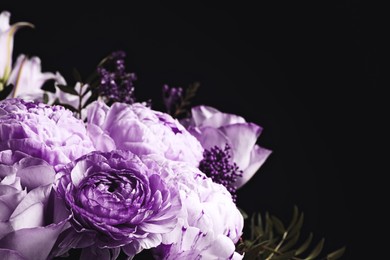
(116, 85)
(217, 165)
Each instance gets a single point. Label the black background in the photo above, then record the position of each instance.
(308, 73)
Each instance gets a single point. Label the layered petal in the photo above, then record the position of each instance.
(216, 129)
(141, 130)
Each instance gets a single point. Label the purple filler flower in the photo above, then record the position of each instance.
(141, 130)
(115, 202)
(29, 225)
(51, 133)
(214, 128)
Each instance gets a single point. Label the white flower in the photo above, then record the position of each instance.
(28, 78)
(7, 32)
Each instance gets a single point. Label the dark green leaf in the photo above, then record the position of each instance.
(278, 224)
(76, 75)
(305, 245)
(45, 98)
(68, 89)
(290, 243)
(316, 251)
(336, 254)
(285, 256)
(294, 218)
(297, 226)
(243, 213)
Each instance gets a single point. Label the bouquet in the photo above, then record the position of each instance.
(89, 171)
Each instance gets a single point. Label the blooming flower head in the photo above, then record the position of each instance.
(27, 79)
(139, 129)
(51, 133)
(115, 201)
(214, 128)
(28, 226)
(7, 32)
(209, 219)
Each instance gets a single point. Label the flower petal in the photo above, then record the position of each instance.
(33, 243)
(201, 113)
(7, 254)
(257, 158)
(34, 172)
(221, 248)
(243, 137)
(30, 211)
(210, 137)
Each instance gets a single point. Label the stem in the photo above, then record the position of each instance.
(278, 246)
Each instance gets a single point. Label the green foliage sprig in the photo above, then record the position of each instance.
(269, 239)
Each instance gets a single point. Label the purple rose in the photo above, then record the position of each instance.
(209, 223)
(214, 128)
(51, 133)
(115, 202)
(141, 130)
(29, 225)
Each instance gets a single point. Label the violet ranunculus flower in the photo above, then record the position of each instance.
(209, 223)
(29, 225)
(115, 202)
(216, 129)
(141, 130)
(51, 133)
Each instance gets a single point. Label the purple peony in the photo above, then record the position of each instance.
(141, 130)
(115, 202)
(216, 129)
(51, 133)
(209, 223)
(29, 226)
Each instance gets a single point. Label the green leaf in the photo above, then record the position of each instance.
(76, 75)
(336, 254)
(278, 224)
(294, 218)
(45, 98)
(68, 89)
(243, 213)
(297, 226)
(290, 243)
(305, 245)
(285, 256)
(316, 251)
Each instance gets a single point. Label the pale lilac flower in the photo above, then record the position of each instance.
(209, 223)
(115, 202)
(7, 32)
(214, 128)
(51, 133)
(29, 224)
(139, 129)
(27, 79)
